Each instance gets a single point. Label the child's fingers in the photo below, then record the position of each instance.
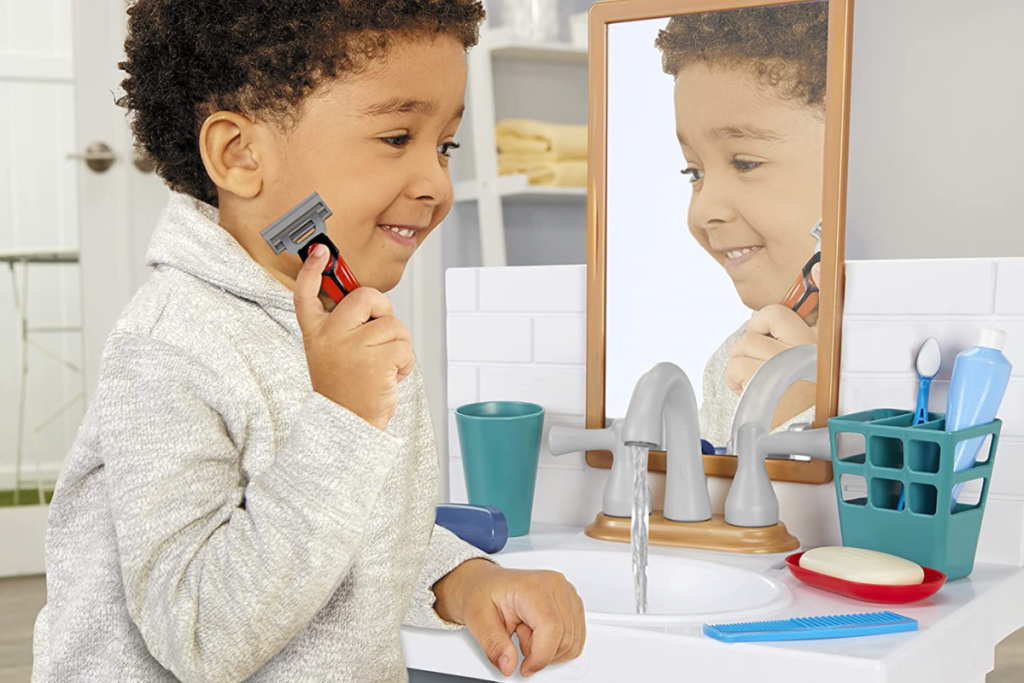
(407, 369)
(816, 275)
(739, 371)
(783, 324)
(360, 306)
(757, 346)
(308, 308)
(492, 633)
(383, 329)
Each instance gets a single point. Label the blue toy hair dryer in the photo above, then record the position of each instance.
(483, 526)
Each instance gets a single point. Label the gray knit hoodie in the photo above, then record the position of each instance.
(218, 520)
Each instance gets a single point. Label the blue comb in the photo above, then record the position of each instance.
(812, 628)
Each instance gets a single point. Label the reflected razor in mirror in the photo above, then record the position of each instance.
(299, 230)
(803, 296)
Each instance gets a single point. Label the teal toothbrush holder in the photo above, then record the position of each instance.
(897, 456)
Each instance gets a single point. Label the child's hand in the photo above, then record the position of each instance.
(540, 606)
(770, 331)
(359, 352)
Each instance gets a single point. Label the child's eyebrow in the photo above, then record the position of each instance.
(743, 132)
(397, 105)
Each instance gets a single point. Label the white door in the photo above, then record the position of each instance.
(118, 207)
(38, 212)
(58, 70)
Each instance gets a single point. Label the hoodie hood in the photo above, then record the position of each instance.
(189, 238)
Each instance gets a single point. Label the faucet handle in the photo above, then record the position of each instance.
(562, 440)
(814, 443)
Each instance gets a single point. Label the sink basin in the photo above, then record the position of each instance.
(680, 591)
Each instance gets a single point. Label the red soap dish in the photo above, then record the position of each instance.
(891, 595)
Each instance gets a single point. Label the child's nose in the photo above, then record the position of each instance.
(712, 205)
(430, 181)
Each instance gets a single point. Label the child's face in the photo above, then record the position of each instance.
(374, 144)
(755, 164)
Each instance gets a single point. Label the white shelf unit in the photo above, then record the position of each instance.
(488, 189)
(516, 187)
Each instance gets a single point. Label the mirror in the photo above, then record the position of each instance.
(718, 131)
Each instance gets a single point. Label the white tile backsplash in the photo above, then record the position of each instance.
(537, 289)
(490, 339)
(1002, 533)
(925, 287)
(891, 306)
(1008, 473)
(560, 340)
(460, 286)
(1010, 287)
(560, 390)
(463, 385)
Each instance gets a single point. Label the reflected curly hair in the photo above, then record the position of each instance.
(187, 59)
(784, 46)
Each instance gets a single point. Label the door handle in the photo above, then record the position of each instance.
(98, 157)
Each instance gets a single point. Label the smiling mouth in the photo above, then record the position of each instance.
(405, 235)
(735, 257)
(400, 230)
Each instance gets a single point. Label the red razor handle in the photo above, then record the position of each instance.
(338, 281)
(803, 296)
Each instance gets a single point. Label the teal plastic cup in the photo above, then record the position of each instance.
(500, 447)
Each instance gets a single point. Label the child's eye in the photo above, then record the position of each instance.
(696, 174)
(398, 141)
(445, 148)
(743, 165)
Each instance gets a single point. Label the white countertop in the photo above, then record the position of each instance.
(959, 629)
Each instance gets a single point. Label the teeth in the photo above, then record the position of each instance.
(404, 232)
(740, 252)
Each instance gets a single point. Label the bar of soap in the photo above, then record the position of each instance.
(863, 566)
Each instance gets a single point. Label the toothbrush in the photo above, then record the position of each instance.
(299, 230)
(929, 358)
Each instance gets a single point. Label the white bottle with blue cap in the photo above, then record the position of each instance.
(980, 376)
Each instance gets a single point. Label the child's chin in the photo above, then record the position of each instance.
(754, 299)
(387, 281)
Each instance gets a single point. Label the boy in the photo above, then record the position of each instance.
(251, 495)
(750, 120)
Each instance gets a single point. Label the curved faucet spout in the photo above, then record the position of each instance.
(764, 391)
(751, 501)
(664, 395)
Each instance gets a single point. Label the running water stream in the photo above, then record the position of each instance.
(640, 526)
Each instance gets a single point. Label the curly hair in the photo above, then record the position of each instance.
(187, 59)
(784, 46)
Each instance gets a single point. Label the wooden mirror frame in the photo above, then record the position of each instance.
(837, 114)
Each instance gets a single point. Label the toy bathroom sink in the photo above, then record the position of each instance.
(680, 591)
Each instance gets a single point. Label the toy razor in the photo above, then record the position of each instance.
(803, 296)
(300, 230)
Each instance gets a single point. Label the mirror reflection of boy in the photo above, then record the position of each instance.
(750, 119)
(252, 493)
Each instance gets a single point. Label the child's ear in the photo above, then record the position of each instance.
(231, 153)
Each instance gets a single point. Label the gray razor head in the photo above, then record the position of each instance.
(296, 228)
(816, 233)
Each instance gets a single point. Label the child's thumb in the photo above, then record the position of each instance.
(309, 309)
(496, 643)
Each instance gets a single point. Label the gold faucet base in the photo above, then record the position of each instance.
(713, 534)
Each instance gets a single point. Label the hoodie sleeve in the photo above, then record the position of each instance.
(220, 572)
(445, 553)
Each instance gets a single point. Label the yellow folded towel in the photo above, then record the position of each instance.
(527, 136)
(571, 173)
